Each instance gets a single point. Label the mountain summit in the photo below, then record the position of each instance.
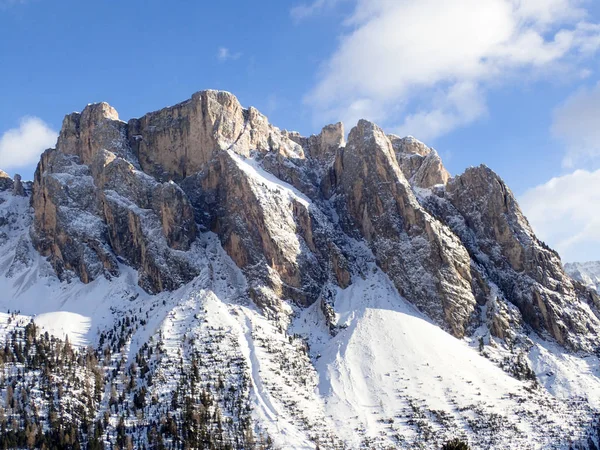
(252, 287)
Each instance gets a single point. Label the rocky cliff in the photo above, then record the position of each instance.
(244, 286)
(297, 214)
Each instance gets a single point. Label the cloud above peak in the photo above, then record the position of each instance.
(224, 54)
(306, 10)
(563, 213)
(575, 122)
(438, 59)
(21, 147)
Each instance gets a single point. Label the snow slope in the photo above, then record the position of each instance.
(386, 378)
(400, 380)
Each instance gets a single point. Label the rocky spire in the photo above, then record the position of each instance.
(427, 263)
(420, 164)
(18, 188)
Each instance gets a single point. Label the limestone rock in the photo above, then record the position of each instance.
(68, 226)
(420, 164)
(486, 216)
(180, 140)
(176, 215)
(323, 146)
(268, 229)
(6, 182)
(299, 215)
(427, 263)
(95, 129)
(18, 188)
(135, 235)
(92, 204)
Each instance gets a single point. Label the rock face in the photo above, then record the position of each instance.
(484, 213)
(120, 180)
(18, 188)
(97, 128)
(92, 205)
(6, 182)
(301, 216)
(179, 141)
(420, 164)
(427, 263)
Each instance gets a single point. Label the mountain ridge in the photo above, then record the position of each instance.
(587, 273)
(206, 204)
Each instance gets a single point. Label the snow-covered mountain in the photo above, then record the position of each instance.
(198, 278)
(588, 273)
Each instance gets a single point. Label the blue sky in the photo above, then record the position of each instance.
(509, 83)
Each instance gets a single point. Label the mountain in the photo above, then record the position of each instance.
(587, 273)
(198, 278)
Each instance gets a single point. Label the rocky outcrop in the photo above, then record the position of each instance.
(484, 213)
(308, 171)
(421, 165)
(427, 263)
(271, 231)
(179, 141)
(92, 205)
(293, 213)
(6, 182)
(124, 178)
(68, 226)
(18, 188)
(97, 128)
(323, 146)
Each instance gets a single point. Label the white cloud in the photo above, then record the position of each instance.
(224, 54)
(460, 105)
(305, 10)
(564, 213)
(22, 146)
(576, 124)
(396, 53)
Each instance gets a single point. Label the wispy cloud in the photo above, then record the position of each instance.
(22, 146)
(305, 10)
(224, 54)
(433, 62)
(563, 213)
(576, 124)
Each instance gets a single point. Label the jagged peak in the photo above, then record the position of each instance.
(410, 145)
(333, 134)
(225, 98)
(483, 178)
(11, 184)
(482, 174)
(220, 96)
(93, 113)
(366, 130)
(100, 111)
